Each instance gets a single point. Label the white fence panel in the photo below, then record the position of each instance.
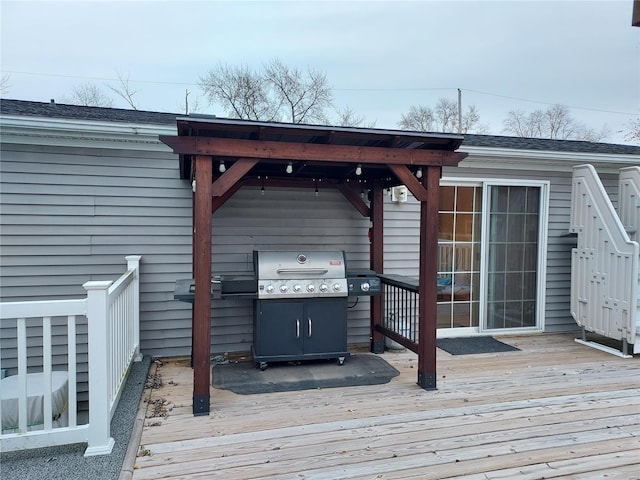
(112, 312)
(604, 266)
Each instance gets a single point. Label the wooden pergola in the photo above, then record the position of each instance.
(348, 159)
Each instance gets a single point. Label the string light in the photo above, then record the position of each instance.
(290, 168)
(222, 168)
(359, 170)
(419, 173)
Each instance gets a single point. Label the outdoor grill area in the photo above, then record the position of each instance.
(299, 300)
(220, 156)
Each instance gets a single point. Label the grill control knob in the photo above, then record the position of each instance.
(297, 288)
(364, 287)
(269, 288)
(324, 287)
(284, 288)
(336, 287)
(311, 288)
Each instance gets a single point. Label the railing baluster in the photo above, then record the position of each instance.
(22, 374)
(73, 370)
(46, 361)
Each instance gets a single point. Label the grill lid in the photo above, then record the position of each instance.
(295, 274)
(278, 265)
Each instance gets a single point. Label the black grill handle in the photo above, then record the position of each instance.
(311, 271)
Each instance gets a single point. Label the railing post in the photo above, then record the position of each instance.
(133, 263)
(99, 435)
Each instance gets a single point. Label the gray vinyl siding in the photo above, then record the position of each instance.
(70, 215)
(282, 219)
(402, 234)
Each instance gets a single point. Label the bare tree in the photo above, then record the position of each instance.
(276, 93)
(521, 124)
(447, 115)
(443, 118)
(124, 91)
(240, 91)
(419, 118)
(556, 122)
(348, 118)
(304, 96)
(88, 95)
(633, 135)
(4, 83)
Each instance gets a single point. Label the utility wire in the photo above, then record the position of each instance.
(416, 89)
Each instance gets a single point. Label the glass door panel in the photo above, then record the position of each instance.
(512, 247)
(459, 256)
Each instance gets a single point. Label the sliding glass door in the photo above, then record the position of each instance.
(514, 240)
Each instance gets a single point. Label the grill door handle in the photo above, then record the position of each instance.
(309, 320)
(297, 328)
(311, 271)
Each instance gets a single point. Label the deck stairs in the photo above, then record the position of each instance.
(605, 273)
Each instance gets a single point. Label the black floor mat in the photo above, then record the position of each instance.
(473, 345)
(245, 378)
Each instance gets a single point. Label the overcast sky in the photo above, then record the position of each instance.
(379, 57)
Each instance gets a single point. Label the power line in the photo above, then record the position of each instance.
(548, 103)
(104, 79)
(413, 89)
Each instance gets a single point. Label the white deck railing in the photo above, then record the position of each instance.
(112, 314)
(604, 266)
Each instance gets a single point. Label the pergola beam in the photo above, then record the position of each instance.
(229, 147)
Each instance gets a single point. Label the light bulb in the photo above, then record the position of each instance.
(359, 170)
(222, 168)
(419, 173)
(290, 168)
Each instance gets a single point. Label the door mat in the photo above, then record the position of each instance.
(473, 345)
(245, 378)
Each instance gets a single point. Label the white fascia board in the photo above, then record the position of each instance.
(545, 160)
(63, 132)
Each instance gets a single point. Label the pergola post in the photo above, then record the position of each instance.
(376, 249)
(428, 309)
(201, 331)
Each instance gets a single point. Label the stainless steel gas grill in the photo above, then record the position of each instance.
(300, 302)
(301, 309)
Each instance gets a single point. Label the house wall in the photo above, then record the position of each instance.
(70, 215)
(72, 208)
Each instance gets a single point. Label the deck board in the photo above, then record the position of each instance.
(554, 409)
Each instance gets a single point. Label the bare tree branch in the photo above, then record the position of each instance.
(305, 96)
(124, 91)
(348, 118)
(555, 122)
(633, 135)
(88, 95)
(444, 118)
(4, 83)
(240, 91)
(419, 118)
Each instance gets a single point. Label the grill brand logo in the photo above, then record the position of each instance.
(302, 258)
(335, 262)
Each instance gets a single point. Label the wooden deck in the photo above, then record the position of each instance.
(556, 409)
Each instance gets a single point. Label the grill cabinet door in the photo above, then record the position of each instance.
(279, 329)
(325, 326)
